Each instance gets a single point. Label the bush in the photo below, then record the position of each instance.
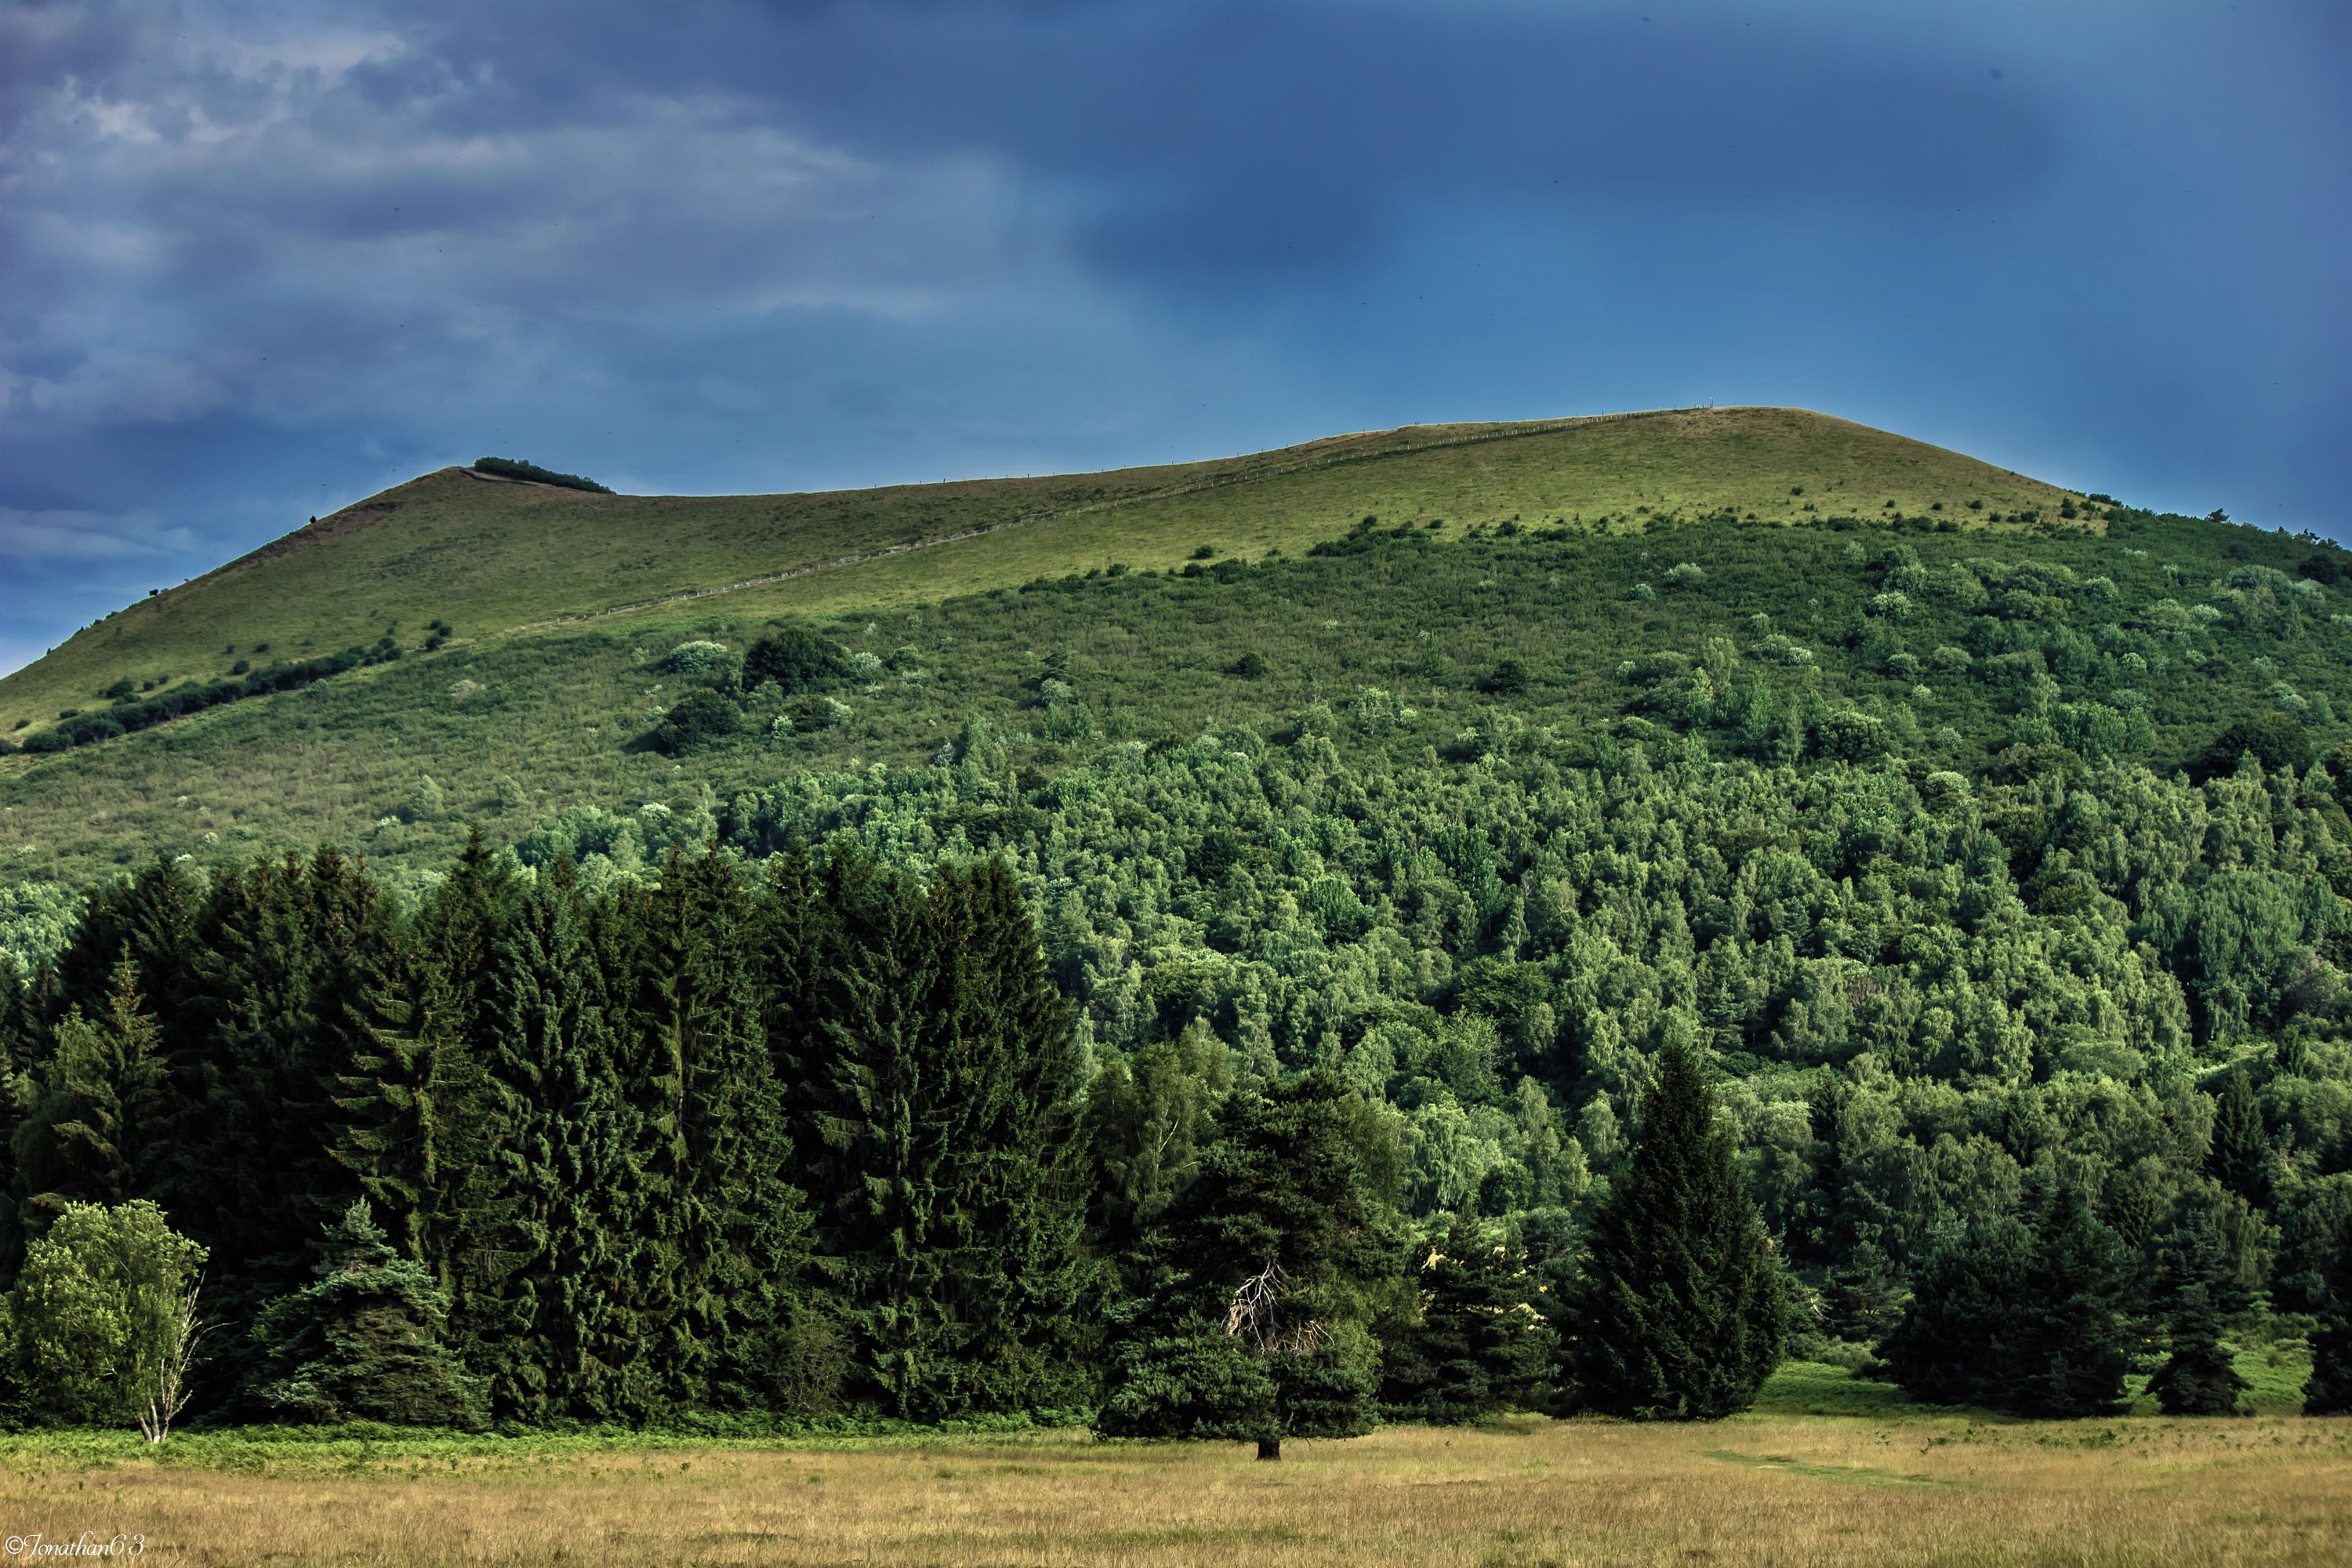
(516, 468)
(2274, 740)
(796, 660)
(695, 659)
(1507, 679)
(696, 720)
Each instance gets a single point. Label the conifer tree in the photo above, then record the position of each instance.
(1022, 1272)
(739, 1231)
(292, 985)
(2197, 1285)
(1680, 1310)
(98, 1128)
(2329, 1390)
(548, 1312)
(939, 1125)
(1266, 1279)
(1863, 1295)
(415, 1110)
(364, 1340)
(1481, 1345)
(2240, 1157)
(2022, 1318)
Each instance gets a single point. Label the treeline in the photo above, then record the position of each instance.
(125, 717)
(516, 468)
(735, 1141)
(775, 1143)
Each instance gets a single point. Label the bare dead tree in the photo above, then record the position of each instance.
(1257, 1315)
(183, 1329)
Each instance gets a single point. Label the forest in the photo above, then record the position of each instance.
(1237, 1087)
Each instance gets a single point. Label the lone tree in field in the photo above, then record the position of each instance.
(1264, 1279)
(102, 1317)
(1680, 1314)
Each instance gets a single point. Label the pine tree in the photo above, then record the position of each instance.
(2329, 1392)
(364, 1340)
(2019, 1317)
(2240, 1157)
(1481, 1345)
(1680, 1311)
(739, 1227)
(1266, 1279)
(547, 1310)
(98, 1127)
(2197, 1284)
(415, 1110)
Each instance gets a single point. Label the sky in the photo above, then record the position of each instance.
(259, 260)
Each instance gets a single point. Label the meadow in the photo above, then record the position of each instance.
(1881, 1482)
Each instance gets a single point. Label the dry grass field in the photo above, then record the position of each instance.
(1760, 1489)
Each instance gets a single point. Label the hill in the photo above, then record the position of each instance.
(1993, 861)
(493, 558)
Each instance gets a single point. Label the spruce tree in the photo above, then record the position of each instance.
(1863, 1295)
(364, 1340)
(1265, 1279)
(700, 1046)
(1481, 1345)
(2329, 1392)
(293, 985)
(1680, 1310)
(2019, 1317)
(98, 1128)
(1021, 1276)
(2240, 1156)
(548, 1311)
(2197, 1284)
(415, 1110)
(937, 1125)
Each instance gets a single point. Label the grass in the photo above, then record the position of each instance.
(1896, 1484)
(492, 559)
(517, 727)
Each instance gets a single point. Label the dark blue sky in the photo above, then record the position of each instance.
(259, 260)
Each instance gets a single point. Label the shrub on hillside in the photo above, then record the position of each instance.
(795, 658)
(697, 657)
(2273, 739)
(516, 468)
(696, 720)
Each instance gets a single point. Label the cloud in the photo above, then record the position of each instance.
(292, 223)
(259, 257)
(63, 534)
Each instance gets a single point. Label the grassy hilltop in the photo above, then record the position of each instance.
(529, 616)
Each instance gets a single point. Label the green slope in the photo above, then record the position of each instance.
(491, 558)
(1074, 616)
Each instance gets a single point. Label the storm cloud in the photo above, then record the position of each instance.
(258, 260)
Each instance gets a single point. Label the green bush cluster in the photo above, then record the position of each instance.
(516, 468)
